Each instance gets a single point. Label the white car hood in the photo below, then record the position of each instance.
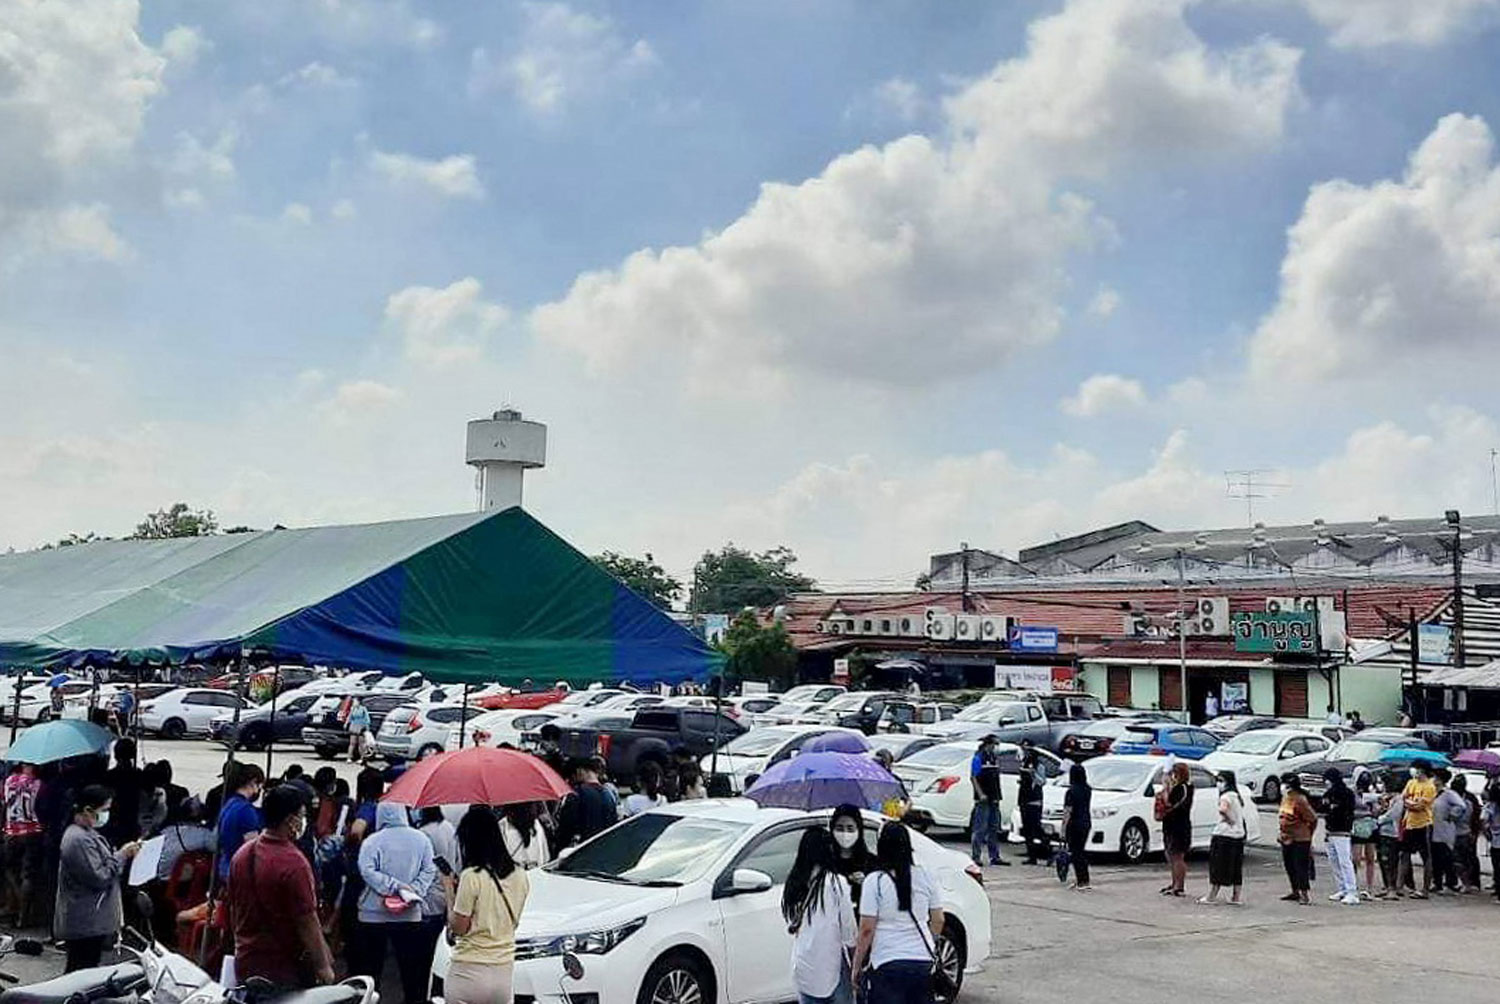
(1226, 759)
(561, 904)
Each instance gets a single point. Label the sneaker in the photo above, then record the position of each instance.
(1350, 900)
(1205, 901)
(1290, 897)
(1365, 895)
(1335, 897)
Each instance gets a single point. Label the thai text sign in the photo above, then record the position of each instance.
(1258, 631)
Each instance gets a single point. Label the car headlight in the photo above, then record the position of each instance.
(588, 943)
(1106, 812)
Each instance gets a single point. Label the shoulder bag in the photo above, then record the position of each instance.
(944, 987)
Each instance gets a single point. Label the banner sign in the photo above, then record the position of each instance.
(1033, 639)
(1047, 678)
(1435, 644)
(841, 671)
(1291, 631)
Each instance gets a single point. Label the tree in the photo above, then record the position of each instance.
(643, 575)
(758, 652)
(241, 529)
(178, 521)
(734, 578)
(74, 539)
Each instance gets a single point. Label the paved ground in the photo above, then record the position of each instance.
(1124, 941)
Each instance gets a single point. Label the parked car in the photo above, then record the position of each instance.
(682, 905)
(911, 716)
(505, 697)
(1097, 738)
(1044, 719)
(815, 693)
(629, 702)
(746, 706)
(939, 780)
(1260, 757)
(412, 731)
(1361, 750)
(900, 744)
(187, 711)
(329, 737)
(506, 727)
(36, 701)
(1187, 742)
(1123, 806)
(858, 710)
(1225, 726)
(350, 683)
(750, 755)
(785, 713)
(588, 698)
(280, 719)
(1333, 733)
(652, 735)
(583, 720)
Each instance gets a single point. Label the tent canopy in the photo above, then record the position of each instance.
(478, 596)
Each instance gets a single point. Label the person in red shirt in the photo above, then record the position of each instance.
(23, 847)
(273, 903)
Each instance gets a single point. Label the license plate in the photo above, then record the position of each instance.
(1085, 744)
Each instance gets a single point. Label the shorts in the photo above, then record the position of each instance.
(1417, 841)
(1175, 842)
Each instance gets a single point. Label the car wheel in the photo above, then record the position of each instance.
(254, 740)
(173, 728)
(676, 978)
(919, 823)
(43, 716)
(326, 752)
(428, 750)
(951, 953)
(1272, 790)
(1134, 841)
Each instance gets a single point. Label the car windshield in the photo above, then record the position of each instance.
(758, 742)
(1252, 742)
(938, 756)
(653, 848)
(806, 692)
(1115, 727)
(1358, 750)
(991, 711)
(845, 702)
(1117, 775)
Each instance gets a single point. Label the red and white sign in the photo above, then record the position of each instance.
(1046, 678)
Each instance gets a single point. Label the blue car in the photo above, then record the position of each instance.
(1186, 742)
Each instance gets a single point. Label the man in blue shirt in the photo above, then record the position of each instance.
(984, 824)
(239, 818)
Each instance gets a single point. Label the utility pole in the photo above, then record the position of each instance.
(966, 603)
(1458, 587)
(1182, 641)
(1494, 484)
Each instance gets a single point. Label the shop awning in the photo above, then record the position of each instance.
(478, 596)
(1486, 677)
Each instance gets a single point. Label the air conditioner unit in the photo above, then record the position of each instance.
(966, 627)
(1281, 604)
(886, 627)
(1135, 625)
(823, 627)
(835, 626)
(995, 628)
(866, 626)
(1322, 605)
(932, 612)
(940, 627)
(911, 626)
(1333, 631)
(1210, 616)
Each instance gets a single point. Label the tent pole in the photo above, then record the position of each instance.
(213, 878)
(463, 717)
(15, 713)
(275, 694)
(133, 720)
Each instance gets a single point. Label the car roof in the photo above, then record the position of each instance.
(1283, 733)
(1145, 758)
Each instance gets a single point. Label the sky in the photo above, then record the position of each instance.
(867, 279)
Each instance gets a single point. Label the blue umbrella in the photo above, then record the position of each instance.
(1405, 754)
(837, 742)
(825, 781)
(59, 680)
(59, 740)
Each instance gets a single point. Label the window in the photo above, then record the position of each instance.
(530, 722)
(1202, 779)
(1316, 744)
(298, 706)
(444, 716)
(1056, 707)
(1033, 713)
(774, 854)
(1204, 739)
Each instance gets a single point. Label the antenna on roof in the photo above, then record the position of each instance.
(1251, 484)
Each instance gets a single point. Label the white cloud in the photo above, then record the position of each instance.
(183, 198)
(563, 54)
(900, 97)
(1368, 23)
(454, 177)
(315, 74)
(343, 209)
(1104, 393)
(359, 400)
(78, 231)
(1104, 303)
(439, 327)
(183, 46)
(215, 161)
(1379, 274)
(921, 259)
(297, 214)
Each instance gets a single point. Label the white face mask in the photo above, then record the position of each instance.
(101, 818)
(846, 838)
(299, 827)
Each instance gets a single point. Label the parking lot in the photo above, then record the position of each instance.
(1052, 944)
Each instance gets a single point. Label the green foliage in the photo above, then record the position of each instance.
(177, 521)
(643, 575)
(759, 652)
(734, 578)
(73, 539)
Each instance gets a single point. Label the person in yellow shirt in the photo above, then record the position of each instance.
(1416, 839)
(486, 901)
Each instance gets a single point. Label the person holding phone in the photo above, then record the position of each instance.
(444, 839)
(487, 899)
(88, 881)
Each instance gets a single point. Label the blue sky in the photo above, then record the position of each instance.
(863, 278)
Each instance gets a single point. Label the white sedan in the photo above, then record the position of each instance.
(939, 781)
(1261, 757)
(747, 756)
(682, 905)
(1123, 806)
(501, 728)
(187, 710)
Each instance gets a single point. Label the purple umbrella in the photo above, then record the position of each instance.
(1485, 760)
(825, 781)
(837, 742)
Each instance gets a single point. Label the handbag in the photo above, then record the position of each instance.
(1364, 828)
(943, 986)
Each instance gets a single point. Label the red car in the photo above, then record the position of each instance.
(523, 701)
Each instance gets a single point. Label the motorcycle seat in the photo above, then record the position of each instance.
(81, 986)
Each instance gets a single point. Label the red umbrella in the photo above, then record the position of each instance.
(482, 775)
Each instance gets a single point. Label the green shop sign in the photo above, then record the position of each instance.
(1267, 632)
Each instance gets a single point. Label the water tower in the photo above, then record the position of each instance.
(501, 448)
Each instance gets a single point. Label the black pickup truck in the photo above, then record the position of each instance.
(652, 735)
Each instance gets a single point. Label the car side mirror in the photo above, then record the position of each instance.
(1287, 754)
(1151, 790)
(748, 880)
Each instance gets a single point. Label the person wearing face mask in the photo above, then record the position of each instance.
(851, 858)
(88, 881)
(273, 901)
(1226, 848)
(239, 818)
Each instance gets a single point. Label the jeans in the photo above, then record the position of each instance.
(407, 940)
(984, 826)
(842, 994)
(1341, 863)
(1038, 846)
(903, 982)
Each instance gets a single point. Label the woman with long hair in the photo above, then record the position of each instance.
(1078, 823)
(1298, 821)
(1364, 835)
(900, 921)
(486, 901)
(1177, 826)
(819, 913)
(851, 857)
(1226, 848)
(521, 828)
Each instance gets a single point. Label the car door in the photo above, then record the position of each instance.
(291, 717)
(1205, 805)
(756, 943)
(1304, 750)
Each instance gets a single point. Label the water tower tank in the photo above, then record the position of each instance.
(501, 448)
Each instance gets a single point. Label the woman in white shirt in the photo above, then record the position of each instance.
(1226, 849)
(524, 838)
(820, 916)
(900, 919)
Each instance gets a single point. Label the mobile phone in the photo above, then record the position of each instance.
(443, 865)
